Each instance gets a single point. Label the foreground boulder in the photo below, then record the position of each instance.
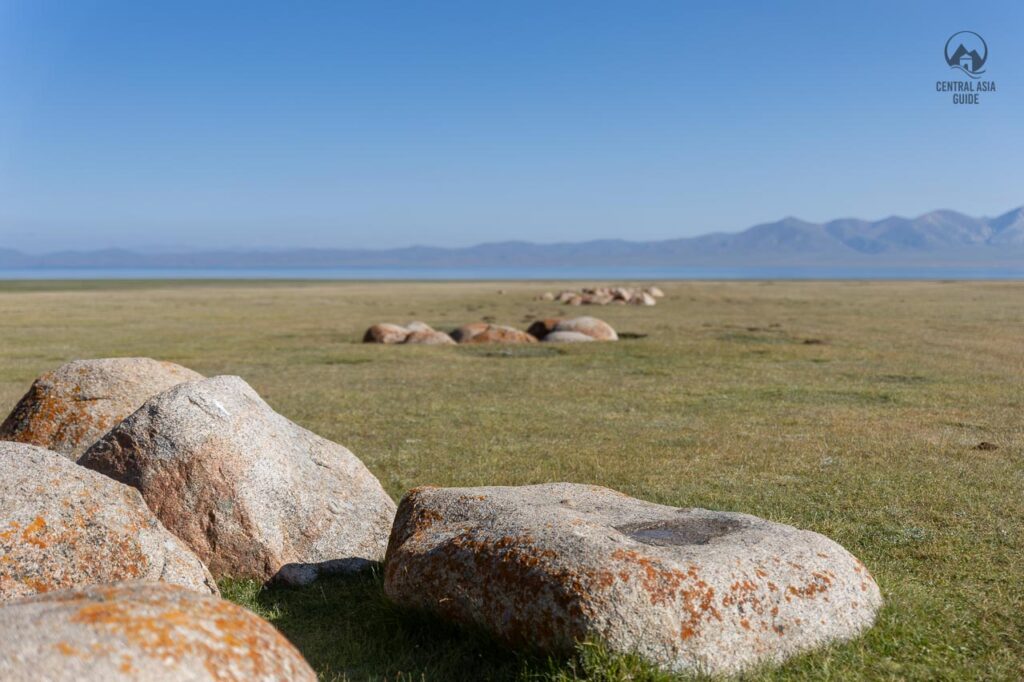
(68, 409)
(63, 526)
(138, 631)
(386, 333)
(496, 333)
(252, 493)
(693, 590)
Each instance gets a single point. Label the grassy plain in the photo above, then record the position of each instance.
(851, 408)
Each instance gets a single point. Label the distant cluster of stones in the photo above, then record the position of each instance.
(128, 486)
(553, 330)
(605, 296)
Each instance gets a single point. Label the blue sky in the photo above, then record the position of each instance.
(253, 125)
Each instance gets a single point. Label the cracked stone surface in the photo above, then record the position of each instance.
(252, 493)
(63, 526)
(140, 631)
(68, 409)
(691, 590)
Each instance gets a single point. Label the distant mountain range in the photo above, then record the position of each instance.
(939, 238)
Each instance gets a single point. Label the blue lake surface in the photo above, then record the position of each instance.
(506, 274)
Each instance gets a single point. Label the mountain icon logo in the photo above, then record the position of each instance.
(968, 52)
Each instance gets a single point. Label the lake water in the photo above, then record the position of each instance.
(589, 274)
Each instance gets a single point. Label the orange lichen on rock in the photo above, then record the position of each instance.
(694, 590)
(147, 631)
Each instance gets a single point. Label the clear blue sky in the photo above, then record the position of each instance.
(246, 124)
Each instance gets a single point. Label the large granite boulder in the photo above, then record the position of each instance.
(386, 333)
(252, 493)
(496, 333)
(693, 590)
(591, 326)
(63, 526)
(68, 409)
(139, 631)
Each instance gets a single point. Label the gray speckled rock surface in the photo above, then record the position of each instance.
(591, 326)
(249, 491)
(63, 526)
(68, 409)
(689, 589)
(139, 631)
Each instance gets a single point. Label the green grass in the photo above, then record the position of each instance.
(868, 436)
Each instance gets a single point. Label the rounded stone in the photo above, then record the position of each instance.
(429, 337)
(139, 631)
(695, 591)
(568, 337)
(541, 328)
(468, 331)
(591, 326)
(68, 409)
(495, 333)
(385, 333)
(251, 492)
(63, 526)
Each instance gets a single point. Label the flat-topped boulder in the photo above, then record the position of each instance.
(386, 333)
(692, 590)
(139, 631)
(496, 333)
(63, 526)
(252, 493)
(68, 409)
